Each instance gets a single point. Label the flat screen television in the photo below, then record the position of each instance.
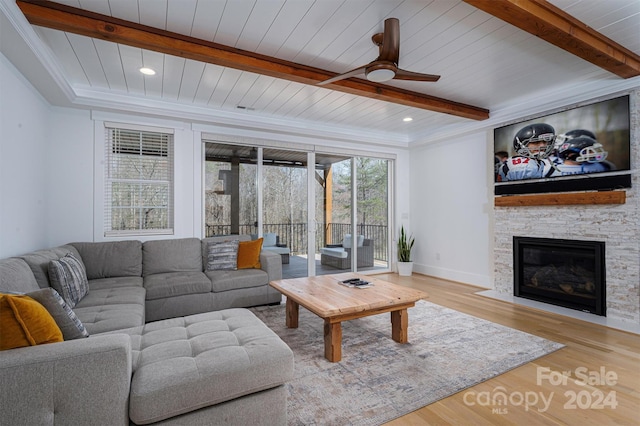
(606, 168)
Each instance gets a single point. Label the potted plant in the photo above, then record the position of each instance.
(405, 244)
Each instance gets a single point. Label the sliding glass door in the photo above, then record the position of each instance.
(323, 213)
(355, 215)
(284, 213)
(230, 190)
(372, 212)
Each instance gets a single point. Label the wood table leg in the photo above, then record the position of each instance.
(292, 313)
(332, 341)
(399, 326)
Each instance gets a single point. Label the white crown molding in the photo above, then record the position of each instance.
(91, 98)
(39, 49)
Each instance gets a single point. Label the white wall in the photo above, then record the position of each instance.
(24, 160)
(451, 204)
(69, 177)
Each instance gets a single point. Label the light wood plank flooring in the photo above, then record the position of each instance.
(602, 366)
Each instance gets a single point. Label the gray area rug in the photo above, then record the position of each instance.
(378, 379)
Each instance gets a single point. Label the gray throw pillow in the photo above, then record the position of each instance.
(69, 278)
(222, 256)
(70, 325)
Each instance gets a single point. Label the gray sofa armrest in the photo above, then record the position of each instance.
(81, 382)
(271, 263)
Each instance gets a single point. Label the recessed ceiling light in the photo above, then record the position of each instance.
(147, 71)
(407, 119)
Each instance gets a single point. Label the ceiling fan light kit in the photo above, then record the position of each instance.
(380, 75)
(385, 67)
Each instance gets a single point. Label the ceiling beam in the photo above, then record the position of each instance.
(65, 18)
(544, 20)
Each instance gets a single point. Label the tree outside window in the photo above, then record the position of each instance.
(139, 182)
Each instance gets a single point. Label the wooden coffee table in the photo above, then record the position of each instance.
(334, 302)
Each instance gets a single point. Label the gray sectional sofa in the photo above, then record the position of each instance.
(170, 343)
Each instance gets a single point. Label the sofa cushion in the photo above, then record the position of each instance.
(69, 278)
(159, 286)
(16, 276)
(111, 259)
(249, 254)
(101, 319)
(112, 309)
(69, 324)
(114, 282)
(183, 364)
(179, 255)
(231, 280)
(25, 322)
(38, 261)
(279, 250)
(222, 256)
(338, 252)
(113, 296)
(347, 241)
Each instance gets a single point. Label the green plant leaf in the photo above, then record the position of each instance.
(405, 245)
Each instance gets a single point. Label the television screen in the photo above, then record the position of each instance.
(584, 148)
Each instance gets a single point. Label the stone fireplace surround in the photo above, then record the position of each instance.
(618, 225)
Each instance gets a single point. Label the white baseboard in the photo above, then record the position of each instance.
(453, 275)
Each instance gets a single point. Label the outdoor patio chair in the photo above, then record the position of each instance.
(339, 256)
(271, 242)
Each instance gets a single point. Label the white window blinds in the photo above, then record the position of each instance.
(139, 182)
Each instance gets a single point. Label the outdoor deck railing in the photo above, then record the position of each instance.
(294, 235)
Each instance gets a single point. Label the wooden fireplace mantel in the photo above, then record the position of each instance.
(562, 199)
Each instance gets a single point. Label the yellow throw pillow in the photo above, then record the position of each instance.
(249, 254)
(25, 322)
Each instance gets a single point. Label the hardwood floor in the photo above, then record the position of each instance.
(601, 368)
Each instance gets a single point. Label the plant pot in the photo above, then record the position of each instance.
(405, 269)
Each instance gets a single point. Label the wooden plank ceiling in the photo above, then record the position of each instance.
(550, 23)
(300, 41)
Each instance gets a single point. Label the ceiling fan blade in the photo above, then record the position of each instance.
(348, 74)
(390, 50)
(415, 76)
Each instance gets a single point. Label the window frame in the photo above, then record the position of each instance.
(151, 139)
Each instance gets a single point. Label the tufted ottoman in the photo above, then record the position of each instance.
(223, 367)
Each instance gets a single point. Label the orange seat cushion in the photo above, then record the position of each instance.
(25, 322)
(249, 254)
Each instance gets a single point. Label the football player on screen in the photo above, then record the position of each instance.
(532, 144)
(581, 154)
(565, 137)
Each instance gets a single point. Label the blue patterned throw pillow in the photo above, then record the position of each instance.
(222, 256)
(69, 278)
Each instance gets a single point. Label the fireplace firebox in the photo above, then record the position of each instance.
(568, 273)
